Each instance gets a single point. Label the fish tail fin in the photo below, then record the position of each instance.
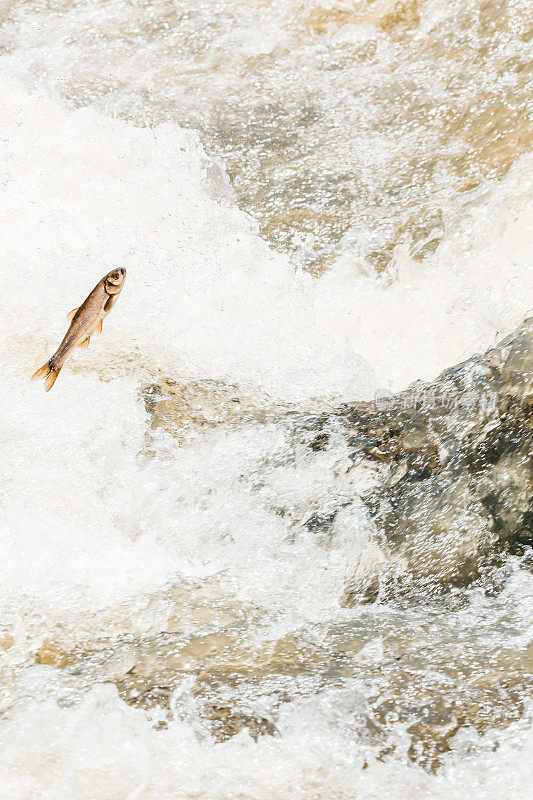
(51, 378)
(49, 374)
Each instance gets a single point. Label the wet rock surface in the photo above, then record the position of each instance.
(456, 455)
(177, 406)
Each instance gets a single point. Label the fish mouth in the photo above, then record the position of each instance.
(114, 280)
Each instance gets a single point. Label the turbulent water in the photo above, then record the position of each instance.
(316, 202)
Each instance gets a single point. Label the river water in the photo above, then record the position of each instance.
(316, 201)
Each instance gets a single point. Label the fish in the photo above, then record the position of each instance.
(84, 321)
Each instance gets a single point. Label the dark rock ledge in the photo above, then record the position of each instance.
(457, 458)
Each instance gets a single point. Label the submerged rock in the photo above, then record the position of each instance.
(226, 680)
(185, 408)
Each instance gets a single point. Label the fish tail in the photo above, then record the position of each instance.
(49, 372)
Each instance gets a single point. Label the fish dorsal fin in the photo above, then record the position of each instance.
(85, 342)
(72, 314)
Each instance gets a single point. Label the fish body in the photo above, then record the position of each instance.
(84, 321)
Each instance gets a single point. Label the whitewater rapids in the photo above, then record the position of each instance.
(111, 531)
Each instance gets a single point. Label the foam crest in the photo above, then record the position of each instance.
(205, 296)
(104, 750)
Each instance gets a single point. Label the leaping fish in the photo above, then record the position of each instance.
(84, 321)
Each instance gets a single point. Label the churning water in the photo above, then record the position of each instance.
(316, 201)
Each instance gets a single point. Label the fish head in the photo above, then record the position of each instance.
(114, 280)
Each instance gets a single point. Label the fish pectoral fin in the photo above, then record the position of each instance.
(72, 314)
(85, 343)
(99, 327)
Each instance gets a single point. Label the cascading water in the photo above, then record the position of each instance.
(316, 203)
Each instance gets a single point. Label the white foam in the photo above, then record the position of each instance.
(205, 296)
(85, 512)
(103, 750)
